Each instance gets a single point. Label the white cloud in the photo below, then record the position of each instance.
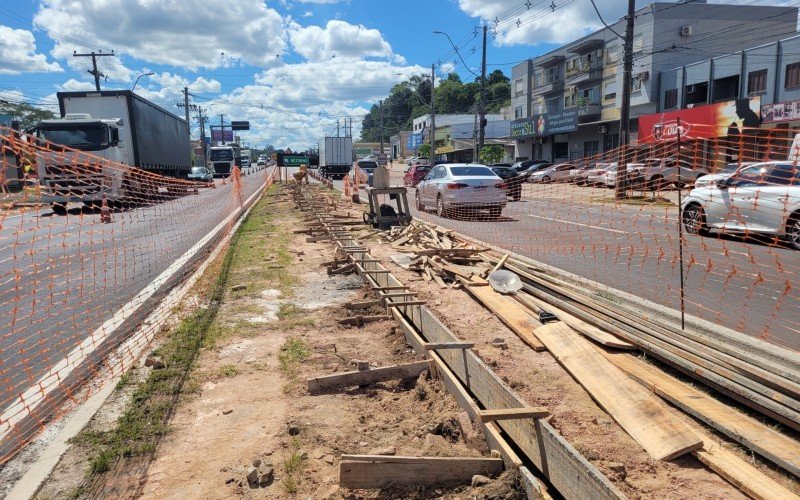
(18, 53)
(189, 33)
(320, 1)
(540, 24)
(338, 39)
(308, 13)
(200, 84)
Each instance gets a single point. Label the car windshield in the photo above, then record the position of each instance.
(221, 155)
(423, 169)
(475, 171)
(368, 165)
(83, 137)
(198, 170)
(504, 172)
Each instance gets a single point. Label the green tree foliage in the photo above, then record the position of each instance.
(491, 153)
(411, 99)
(424, 150)
(25, 113)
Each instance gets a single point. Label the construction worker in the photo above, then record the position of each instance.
(301, 174)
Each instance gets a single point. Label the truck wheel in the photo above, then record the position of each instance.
(59, 208)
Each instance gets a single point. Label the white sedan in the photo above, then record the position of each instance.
(721, 174)
(461, 188)
(762, 198)
(556, 173)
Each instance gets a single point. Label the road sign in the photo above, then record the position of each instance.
(295, 161)
(244, 125)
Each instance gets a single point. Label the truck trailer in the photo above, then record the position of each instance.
(335, 156)
(114, 125)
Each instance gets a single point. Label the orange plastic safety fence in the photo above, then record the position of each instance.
(729, 204)
(88, 248)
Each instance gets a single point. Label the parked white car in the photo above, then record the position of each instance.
(597, 176)
(661, 173)
(581, 177)
(556, 173)
(762, 198)
(723, 173)
(461, 186)
(634, 174)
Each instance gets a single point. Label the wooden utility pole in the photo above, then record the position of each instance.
(93, 71)
(625, 108)
(380, 105)
(432, 154)
(482, 130)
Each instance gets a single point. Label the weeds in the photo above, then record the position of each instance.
(228, 371)
(292, 467)
(292, 352)
(124, 380)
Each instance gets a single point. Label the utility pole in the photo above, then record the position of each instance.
(381, 107)
(222, 127)
(482, 131)
(188, 123)
(475, 158)
(432, 154)
(202, 120)
(625, 108)
(94, 55)
(337, 127)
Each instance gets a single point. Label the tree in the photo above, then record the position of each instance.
(25, 113)
(491, 153)
(424, 150)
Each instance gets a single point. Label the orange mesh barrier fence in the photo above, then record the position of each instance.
(723, 211)
(88, 249)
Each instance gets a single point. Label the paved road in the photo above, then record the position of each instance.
(745, 285)
(62, 277)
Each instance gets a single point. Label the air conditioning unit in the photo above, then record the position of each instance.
(602, 129)
(643, 76)
(686, 31)
(573, 90)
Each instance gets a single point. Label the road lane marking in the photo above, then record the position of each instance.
(34, 396)
(579, 224)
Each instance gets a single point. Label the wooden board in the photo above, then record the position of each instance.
(510, 312)
(365, 377)
(764, 440)
(635, 409)
(513, 413)
(600, 336)
(376, 471)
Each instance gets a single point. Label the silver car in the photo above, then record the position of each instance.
(762, 198)
(556, 173)
(660, 173)
(463, 187)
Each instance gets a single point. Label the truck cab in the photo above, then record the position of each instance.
(223, 159)
(66, 175)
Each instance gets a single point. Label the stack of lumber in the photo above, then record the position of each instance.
(437, 256)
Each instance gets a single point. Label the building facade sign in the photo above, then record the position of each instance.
(786, 111)
(546, 124)
(701, 122)
(414, 141)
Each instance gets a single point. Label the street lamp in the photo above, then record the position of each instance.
(137, 79)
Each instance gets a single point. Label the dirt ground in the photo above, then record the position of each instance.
(251, 403)
(541, 381)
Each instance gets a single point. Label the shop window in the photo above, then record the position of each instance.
(792, 76)
(590, 148)
(671, 99)
(570, 100)
(552, 105)
(757, 81)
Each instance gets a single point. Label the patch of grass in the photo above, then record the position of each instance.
(124, 380)
(292, 468)
(287, 311)
(649, 201)
(228, 371)
(78, 492)
(293, 352)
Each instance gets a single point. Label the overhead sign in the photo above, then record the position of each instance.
(414, 141)
(559, 122)
(701, 122)
(218, 135)
(243, 125)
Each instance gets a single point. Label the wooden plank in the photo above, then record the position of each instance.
(762, 439)
(534, 489)
(434, 346)
(586, 329)
(513, 413)
(382, 288)
(499, 264)
(511, 313)
(643, 417)
(739, 473)
(366, 377)
(375, 471)
(406, 303)
(362, 304)
(360, 320)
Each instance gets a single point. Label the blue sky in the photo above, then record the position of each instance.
(291, 67)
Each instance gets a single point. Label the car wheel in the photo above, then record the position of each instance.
(793, 230)
(655, 183)
(694, 220)
(420, 206)
(59, 208)
(440, 210)
(680, 185)
(495, 212)
(545, 179)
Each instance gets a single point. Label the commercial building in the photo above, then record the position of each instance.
(457, 142)
(566, 102)
(721, 99)
(399, 145)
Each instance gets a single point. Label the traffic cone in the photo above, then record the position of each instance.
(105, 212)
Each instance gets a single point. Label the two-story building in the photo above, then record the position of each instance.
(566, 102)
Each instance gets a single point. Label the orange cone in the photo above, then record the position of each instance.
(105, 212)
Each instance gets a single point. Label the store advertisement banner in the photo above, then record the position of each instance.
(546, 124)
(780, 112)
(701, 122)
(414, 141)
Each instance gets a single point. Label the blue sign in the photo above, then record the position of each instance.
(414, 141)
(546, 124)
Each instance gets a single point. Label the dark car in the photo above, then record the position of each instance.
(507, 165)
(511, 179)
(534, 166)
(201, 174)
(414, 174)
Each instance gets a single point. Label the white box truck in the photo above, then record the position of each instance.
(335, 156)
(118, 126)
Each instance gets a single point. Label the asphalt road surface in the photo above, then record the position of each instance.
(749, 286)
(62, 277)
